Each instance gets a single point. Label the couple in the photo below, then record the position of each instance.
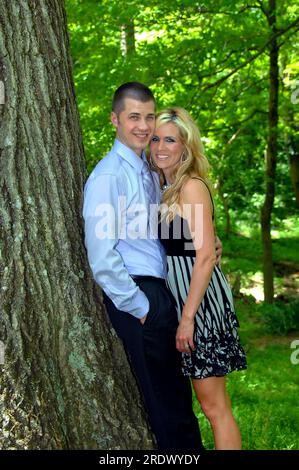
(150, 282)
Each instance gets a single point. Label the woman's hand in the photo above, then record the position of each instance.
(184, 335)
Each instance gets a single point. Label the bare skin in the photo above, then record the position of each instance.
(167, 148)
(215, 403)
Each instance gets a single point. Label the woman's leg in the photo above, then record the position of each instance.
(215, 403)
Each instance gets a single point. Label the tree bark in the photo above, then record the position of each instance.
(65, 382)
(128, 37)
(294, 165)
(271, 158)
(225, 207)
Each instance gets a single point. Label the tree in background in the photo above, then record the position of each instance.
(215, 59)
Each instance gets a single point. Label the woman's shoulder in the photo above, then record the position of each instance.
(194, 186)
(196, 191)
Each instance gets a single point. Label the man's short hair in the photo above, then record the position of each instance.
(135, 90)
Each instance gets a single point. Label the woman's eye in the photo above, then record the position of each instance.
(155, 139)
(169, 139)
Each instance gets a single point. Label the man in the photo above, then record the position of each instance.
(130, 266)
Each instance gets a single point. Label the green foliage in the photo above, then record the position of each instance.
(264, 397)
(211, 58)
(280, 318)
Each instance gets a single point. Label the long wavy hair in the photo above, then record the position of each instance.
(193, 161)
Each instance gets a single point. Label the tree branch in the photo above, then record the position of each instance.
(251, 59)
(237, 124)
(285, 40)
(266, 13)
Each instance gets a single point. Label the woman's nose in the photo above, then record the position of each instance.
(160, 144)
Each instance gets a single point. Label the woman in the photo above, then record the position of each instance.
(207, 333)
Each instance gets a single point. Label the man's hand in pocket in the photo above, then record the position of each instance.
(142, 320)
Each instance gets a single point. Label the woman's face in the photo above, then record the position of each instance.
(166, 147)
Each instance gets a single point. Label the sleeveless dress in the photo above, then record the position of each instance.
(217, 345)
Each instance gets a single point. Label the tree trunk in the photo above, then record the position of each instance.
(271, 157)
(128, 37)
(294, 169)
(225, 207)
(65, 382)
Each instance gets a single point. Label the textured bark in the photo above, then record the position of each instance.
(128, 37)
(65, 382)
(294, 171)
(292, 147)
(225, 207)
(271, 158)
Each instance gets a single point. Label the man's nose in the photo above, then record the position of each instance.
(143, 124)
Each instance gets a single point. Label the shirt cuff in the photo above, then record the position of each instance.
(139, 305)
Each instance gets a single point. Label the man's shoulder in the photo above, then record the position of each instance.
(105, 168)
(109, 165)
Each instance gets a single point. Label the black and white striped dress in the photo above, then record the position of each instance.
(218, 349)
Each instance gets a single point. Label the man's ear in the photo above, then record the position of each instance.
(114, 119)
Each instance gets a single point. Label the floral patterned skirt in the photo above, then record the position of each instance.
(218, 350)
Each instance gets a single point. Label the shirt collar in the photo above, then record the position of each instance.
(129, 155)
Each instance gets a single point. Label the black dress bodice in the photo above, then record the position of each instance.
(176, 237)
(217, 345)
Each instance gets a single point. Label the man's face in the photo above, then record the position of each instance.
(135, 124)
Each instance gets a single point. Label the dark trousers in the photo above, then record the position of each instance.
(157, 367)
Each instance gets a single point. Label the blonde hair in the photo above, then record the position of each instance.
(193, 163)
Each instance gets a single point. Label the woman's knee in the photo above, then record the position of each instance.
(214, 410)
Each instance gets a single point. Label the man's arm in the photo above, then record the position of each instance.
(102, 232)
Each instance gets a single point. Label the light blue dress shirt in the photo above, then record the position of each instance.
(119, 240)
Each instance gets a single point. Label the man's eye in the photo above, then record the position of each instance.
(134, 118)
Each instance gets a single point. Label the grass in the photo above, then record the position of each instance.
(265, 396)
